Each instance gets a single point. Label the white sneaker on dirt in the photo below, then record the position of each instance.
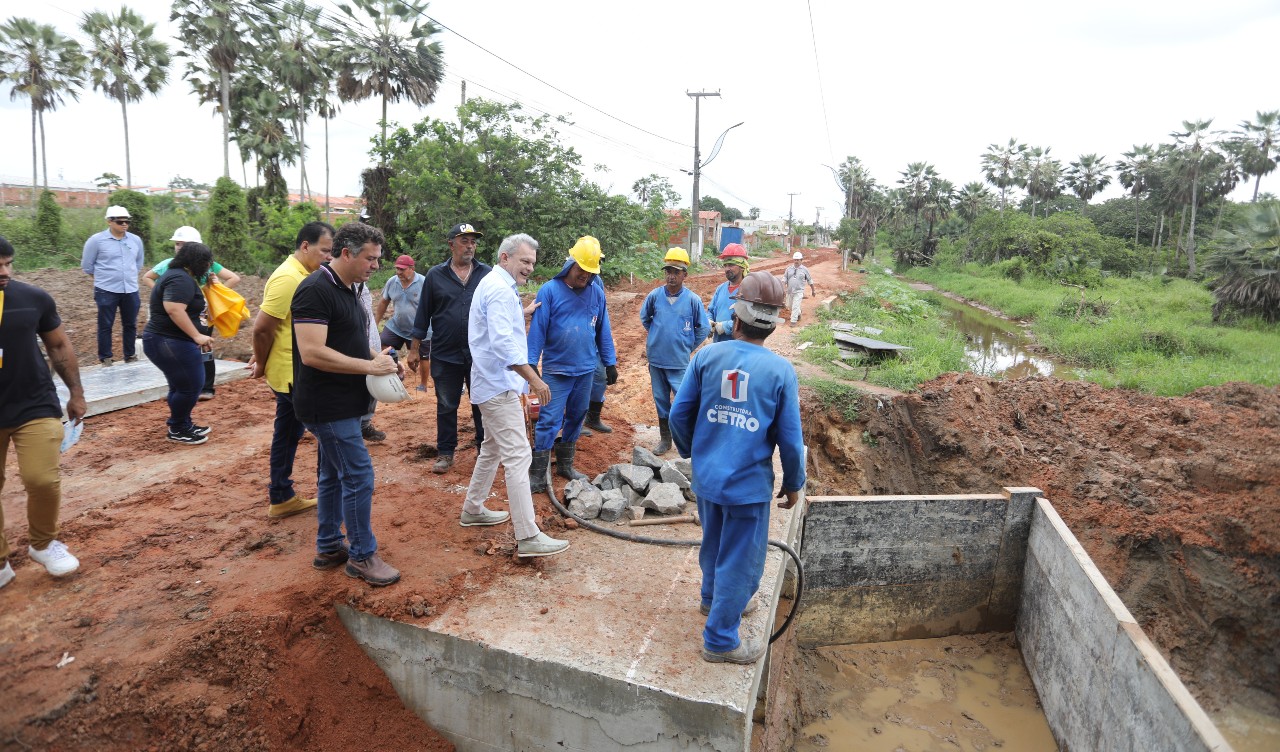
(540, 545)
(56, 559)
(6, 574)
(484, 517)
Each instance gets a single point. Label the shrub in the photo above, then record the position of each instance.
(228, 226)
(1014, 269)
(48, 223)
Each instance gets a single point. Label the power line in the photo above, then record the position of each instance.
(822, 95)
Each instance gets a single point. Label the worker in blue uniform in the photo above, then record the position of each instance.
(736, 266)
(594, 424)
(738, 401)
(677, 323)
(569, 332)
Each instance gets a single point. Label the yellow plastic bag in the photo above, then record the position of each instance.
(226, 308)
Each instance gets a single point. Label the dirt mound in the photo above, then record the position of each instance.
(1177, 500)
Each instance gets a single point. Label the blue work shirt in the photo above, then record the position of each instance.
(114, 264)
(736, 403)
(495, 333)
(404, 302)
(675, 328)
(721, 309)
(570, 331)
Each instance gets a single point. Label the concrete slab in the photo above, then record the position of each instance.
(127, 384)
(600, 650)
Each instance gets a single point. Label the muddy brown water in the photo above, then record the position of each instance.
(997, 347)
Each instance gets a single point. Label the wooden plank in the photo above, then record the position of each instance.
(842, 365)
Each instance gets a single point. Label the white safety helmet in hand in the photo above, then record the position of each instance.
(386, 388)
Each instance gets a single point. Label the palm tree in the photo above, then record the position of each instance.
(1043, 176)
(1259, 141)
(1190, 162)
(43, 65)
(216, 35)
(972, 200)
(125, 62)
(1245, 265)
(916, 181)
(1003, 167)
(299, 61)
(1087, 176)
(391, 65)
(1135, 175)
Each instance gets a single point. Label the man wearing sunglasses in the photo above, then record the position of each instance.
(115, 257)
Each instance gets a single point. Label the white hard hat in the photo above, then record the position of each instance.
(116, 211)
(386, 388)
(186, 234)
(797, 255)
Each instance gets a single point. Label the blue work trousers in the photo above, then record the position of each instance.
(128, 304)
(665, 383)
(344, 489)
(570, 396)
(179, 361)
(449, 378)
(735, 539)
(284, 448)
(598, 383)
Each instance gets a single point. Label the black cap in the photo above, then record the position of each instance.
(463, 229)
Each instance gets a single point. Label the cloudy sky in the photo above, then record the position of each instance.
(812, 82)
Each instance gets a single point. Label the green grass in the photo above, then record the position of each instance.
(835, 395)
(905, 318)
(1154, 335)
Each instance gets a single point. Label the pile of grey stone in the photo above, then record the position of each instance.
(628, 490)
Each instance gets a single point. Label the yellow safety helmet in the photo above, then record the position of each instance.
(676, 257)
(586, 254)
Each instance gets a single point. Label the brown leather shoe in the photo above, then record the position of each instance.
(443, 463)
(374, 571)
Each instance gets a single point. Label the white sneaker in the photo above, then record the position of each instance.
(6, 574)
(56, 558)
(540, 545)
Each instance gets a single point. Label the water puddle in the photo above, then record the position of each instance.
(967, 692)
(1248, 730)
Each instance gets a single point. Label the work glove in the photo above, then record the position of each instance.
(610, 375)
(717, 327)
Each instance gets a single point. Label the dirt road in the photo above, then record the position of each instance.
(197, 623)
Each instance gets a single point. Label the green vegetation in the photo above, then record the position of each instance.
(48, 223)
(139, 207)
(228, 224)
(835, 395)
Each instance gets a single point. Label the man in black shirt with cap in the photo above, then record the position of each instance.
(443, 308)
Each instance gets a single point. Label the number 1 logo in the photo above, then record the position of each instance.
(733, 385)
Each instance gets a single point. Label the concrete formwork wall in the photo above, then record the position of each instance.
(1102, 684)
(485, 699)
(880, 568)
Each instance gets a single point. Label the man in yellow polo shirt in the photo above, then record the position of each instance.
(273, 358)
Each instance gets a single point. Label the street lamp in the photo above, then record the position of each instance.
(695, 245)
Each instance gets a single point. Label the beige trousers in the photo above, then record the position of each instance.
(36, 443)
(505, 442)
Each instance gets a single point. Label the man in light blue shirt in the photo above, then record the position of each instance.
(499, 372)
(115, 257)
(402, 292)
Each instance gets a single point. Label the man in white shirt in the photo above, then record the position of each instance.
(794, 278)
(500, 375)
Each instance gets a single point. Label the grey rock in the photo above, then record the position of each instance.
(632, 496)
(645, 458)
(634, 512)
(587, 504)
(607, 483)
(612, 506)
(573, 488)
(596, 481)
(670, 474)
(636, 476)
(664, 498)
(685, 467)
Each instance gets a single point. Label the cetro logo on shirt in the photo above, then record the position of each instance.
(733, 385)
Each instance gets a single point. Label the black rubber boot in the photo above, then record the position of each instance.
(593, 419)
(564, 461)
(664, 443)
(538, 471)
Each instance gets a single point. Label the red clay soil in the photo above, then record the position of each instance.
(196, 622)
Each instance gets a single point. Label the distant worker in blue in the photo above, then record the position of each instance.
(737, 402)
(736, 267)
(677, 323)
(569, 332)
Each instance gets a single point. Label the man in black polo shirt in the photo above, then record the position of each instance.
(30, 415)
(443, 308)
(331, 344)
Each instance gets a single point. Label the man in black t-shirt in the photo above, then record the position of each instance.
(331, 359)
(30, 415)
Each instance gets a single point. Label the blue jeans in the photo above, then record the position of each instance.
(449, 378)
(665, 383)
(570, 396)
(179, 361)
(598, 383)
(735, 539)
(284, 447)
(344, 489)
(108, 302)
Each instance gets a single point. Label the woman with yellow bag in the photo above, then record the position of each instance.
(231, 308)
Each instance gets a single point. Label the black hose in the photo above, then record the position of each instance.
(563, 510)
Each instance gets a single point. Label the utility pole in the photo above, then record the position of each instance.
(790, 216)
(817, 226)
(695, 247)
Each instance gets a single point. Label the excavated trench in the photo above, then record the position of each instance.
(1175, 500)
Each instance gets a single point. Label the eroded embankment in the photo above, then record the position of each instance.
(1176, 500)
